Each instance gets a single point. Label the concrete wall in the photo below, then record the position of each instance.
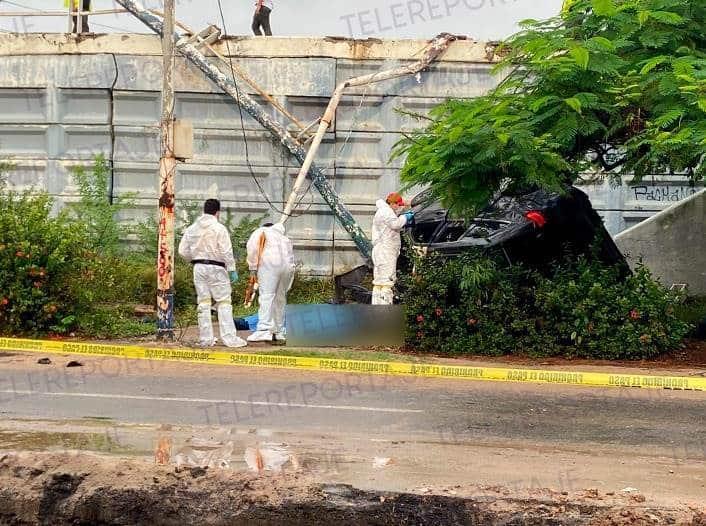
(671, 243)
(64, 99)
(627, 205)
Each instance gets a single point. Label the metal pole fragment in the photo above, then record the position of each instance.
(435, 50)
(167, 172)
(238, 70)
(255, 110)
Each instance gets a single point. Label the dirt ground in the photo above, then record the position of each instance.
(58, 489)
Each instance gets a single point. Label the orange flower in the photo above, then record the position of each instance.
(634, 315)
(420, 318)
(472, 322)
(438, 311)
(37, 284)
(19, 254)
(4, 301)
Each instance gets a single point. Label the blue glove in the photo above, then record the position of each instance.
(233, 276)
(410, 217)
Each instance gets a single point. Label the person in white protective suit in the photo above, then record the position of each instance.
(271, 258)
(206, 244)
(387, 243)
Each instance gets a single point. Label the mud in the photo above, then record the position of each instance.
(86, 489)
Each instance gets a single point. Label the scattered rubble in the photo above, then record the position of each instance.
(44, 488)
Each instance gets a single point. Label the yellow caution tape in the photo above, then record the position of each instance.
(131, 352)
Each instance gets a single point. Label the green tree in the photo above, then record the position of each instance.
(608, 87)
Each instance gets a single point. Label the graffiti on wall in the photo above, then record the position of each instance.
(663, 193)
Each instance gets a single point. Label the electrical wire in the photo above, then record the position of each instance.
(111, 94)
(338, 155)
(10, 2)
(247, 158)
(242, 120)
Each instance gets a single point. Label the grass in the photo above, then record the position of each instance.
(116, 320)
(340, 354)
(108, 321)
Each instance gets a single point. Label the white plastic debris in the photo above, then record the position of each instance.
(381, 462)
(629, 490)
(268, 457)
(198, 453)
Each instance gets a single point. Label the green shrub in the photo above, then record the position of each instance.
(69, 272)
(47, 266)
(475, 305)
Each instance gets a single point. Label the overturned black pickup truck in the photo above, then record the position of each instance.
(533, 228)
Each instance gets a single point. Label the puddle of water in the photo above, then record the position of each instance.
(53, 441)
(98, 436)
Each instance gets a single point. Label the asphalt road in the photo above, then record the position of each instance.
(504, 427)
(156, 392)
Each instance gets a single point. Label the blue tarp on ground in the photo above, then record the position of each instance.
(248, 323)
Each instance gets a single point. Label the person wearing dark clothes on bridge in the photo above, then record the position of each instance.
(79, 5)
(261, 19)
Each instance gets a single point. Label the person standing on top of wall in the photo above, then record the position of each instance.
(261, 19)
(76, 5)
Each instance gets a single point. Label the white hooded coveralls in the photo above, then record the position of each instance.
(275, 276)
(209, 240)
(387, 243)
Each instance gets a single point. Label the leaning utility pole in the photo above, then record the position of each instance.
(167, 172)
(251, 106)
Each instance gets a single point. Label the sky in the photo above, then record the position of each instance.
(478, 19)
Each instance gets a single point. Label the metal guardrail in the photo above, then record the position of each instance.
(70, 13)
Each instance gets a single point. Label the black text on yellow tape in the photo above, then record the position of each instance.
(358, 366)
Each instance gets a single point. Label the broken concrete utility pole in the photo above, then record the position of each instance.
(167, 172)
(227, 84)
(435, 50)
